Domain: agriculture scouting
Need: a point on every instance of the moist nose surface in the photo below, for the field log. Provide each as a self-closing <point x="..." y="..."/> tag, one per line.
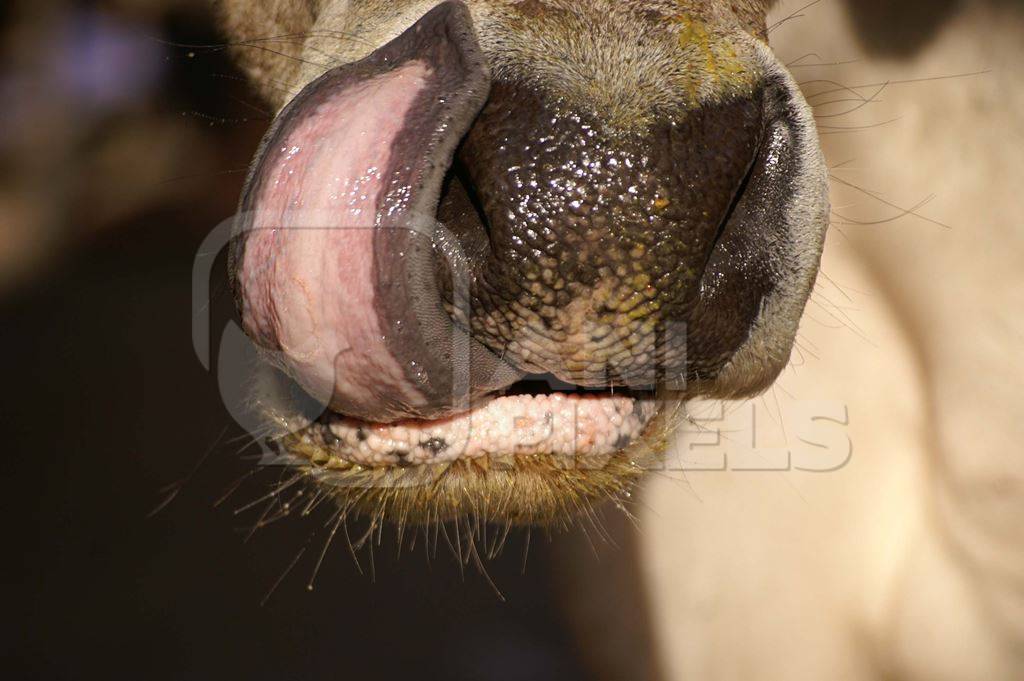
<point x="596" y="239"/>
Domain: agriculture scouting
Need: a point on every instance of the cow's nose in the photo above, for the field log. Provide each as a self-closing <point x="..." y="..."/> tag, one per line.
<point x="587" y="242"/>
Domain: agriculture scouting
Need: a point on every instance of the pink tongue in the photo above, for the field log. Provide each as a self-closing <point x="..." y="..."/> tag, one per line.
<point x="317" y="214"/>
<point x="333" y="257"/>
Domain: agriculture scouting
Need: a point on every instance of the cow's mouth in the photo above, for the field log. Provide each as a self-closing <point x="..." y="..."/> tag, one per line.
<point x="540" y="451"/>
<point x="417" y="238"/>
<point x="529" y="418"/>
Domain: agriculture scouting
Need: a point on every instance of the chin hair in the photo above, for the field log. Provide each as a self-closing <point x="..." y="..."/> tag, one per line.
<point x="511" y="490"/>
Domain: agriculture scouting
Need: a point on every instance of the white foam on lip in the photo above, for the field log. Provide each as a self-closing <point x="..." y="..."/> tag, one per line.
<point x="557" y="424"/>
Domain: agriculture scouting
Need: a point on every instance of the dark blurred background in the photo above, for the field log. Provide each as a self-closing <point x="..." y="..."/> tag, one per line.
<point x="125" y="132"/>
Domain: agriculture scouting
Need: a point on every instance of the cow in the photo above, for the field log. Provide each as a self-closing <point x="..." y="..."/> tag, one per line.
<point x="507" y="246"/>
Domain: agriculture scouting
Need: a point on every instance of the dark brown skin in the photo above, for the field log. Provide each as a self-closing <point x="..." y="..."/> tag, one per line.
<point x="584" y="276"/>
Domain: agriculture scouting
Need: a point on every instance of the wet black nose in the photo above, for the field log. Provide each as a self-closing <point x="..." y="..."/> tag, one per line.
<point x="588" y="242"/>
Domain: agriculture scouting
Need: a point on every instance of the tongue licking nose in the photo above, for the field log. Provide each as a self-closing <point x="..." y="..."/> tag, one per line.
<point x="333" y="258"/>
<point x="628" y="252"/>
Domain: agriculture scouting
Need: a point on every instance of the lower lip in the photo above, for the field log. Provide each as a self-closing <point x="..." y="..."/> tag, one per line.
<point x="556" y="424"/>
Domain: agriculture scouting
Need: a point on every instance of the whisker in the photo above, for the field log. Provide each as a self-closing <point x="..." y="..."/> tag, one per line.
<point x="869" y="223"/>
<point x="174" y="489"/>
<point x="795" y="15"/>
<point x="280" y="579"/>
<point x="907" y="81"/>
<point x="861" y="103"/>
<point x="839" y="129"/>
<point x="885" y="202"/>
<point x="340" y="517"/>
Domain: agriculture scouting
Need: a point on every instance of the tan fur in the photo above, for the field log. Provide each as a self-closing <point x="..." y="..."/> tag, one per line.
<point x="626" y="61"/>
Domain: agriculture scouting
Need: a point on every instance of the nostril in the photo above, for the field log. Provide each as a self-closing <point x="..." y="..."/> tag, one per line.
<point x="461" y="210"/>
<point x="461" y="214"/>
<point x="461" y="172"/>
<point x="738" y="195"/>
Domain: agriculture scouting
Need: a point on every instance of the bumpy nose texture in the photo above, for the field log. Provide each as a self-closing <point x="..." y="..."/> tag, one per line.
<point x="597" y="237"/>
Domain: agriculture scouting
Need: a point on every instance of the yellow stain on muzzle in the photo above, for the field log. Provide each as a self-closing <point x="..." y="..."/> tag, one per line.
<point x="720" y="67"/>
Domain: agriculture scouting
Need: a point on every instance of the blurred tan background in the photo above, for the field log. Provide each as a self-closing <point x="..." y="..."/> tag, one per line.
<point x="908" y="561"/>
